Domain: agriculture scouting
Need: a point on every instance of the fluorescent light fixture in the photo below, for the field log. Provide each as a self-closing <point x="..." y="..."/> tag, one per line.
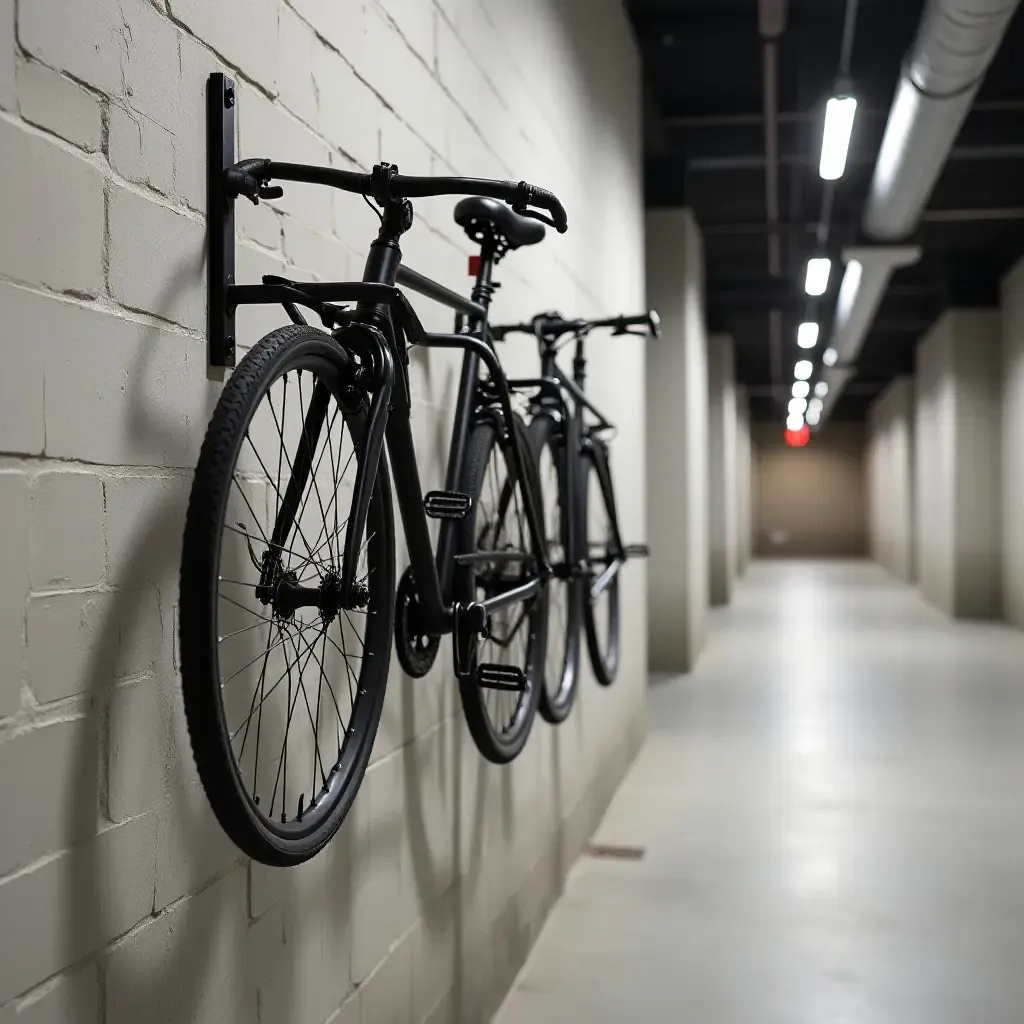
<point x="813" y="417"/>
<point x="818" y="270"/>
<point x="829" y="357"/>
<point x="801" y="389"/>
<point x="820" y="389"/>
<point x="803" y="369"/>
<point x="835" y="140"/>
<point x="794" y="421"/>
<point x="797" y="406"/>
<point x="807" y="335"/>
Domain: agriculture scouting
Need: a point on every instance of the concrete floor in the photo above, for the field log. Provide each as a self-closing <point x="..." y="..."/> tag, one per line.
<point x="832" y="808"/>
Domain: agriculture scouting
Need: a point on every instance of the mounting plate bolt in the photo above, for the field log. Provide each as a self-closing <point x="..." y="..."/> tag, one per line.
<point x="229" y="96"/>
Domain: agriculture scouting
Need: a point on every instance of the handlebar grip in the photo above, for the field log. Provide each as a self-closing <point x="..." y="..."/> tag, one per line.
<point x="528" y="195"/>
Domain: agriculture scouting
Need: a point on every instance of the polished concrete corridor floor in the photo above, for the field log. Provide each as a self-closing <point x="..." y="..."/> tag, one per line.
<point x="832" y="808"/>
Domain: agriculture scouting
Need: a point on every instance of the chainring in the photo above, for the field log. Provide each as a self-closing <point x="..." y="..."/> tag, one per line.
<point x="416" y="650"/>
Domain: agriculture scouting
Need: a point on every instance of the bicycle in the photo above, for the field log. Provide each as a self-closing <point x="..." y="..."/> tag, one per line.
<point x="584" y="545"/>
<point x="288" y="560"/>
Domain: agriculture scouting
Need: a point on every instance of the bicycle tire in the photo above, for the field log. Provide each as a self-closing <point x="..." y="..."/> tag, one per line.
<point x="500" y="746"/>
<point x="565" y="594"/>
<point x="251" y="827"/>
<point x="601" y="617"/>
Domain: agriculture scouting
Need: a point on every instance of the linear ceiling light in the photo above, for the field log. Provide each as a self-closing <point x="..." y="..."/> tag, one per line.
<point x="818" y="270"/>
<point x="801" y="389"/>
<point x="803" y="369"/>
<point x="835" y="140"/>
<point x="798" y="406"/>
<point x="807" y="335"/>
<point x="794" y="421"/>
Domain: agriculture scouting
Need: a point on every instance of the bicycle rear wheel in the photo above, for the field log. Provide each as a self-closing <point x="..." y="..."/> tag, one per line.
<point x="565" y="594"/>
<point x="499" y="718"/>
<point x="601" y="614"/>
<point x="283" y="677"/>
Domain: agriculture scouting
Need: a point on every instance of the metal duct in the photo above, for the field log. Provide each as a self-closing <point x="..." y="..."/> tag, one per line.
<point x="867" y="274"/>
<point x="954" y="47"/>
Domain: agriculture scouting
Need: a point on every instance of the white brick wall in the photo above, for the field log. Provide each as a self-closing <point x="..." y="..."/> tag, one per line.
<point x="120" y="898"/>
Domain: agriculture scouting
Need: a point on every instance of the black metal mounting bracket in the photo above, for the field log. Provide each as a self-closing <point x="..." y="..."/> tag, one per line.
<point x="220" y="218"/>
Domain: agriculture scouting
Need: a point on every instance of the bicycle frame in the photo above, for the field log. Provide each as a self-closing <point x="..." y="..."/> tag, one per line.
<point x="580" y="439"/>
<point x="382" y="327"/>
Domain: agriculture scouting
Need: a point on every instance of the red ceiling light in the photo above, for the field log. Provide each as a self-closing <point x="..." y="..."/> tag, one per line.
<point x="798" y="438"/>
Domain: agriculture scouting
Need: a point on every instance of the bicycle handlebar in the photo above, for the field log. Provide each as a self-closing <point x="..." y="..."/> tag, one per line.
<point x="553" y="326"/>
<point x="384" y="183"/>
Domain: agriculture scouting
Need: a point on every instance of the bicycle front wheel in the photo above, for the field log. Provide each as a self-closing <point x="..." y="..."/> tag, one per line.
<point x="499" y="715"/>
<point x="283" y="675"/>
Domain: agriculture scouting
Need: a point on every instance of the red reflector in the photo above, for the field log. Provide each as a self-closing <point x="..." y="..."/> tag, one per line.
<point x="798" y="438"/>
<point x="474" y="266"/>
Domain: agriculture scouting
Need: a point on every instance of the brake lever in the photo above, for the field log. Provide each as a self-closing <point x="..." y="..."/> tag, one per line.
<point x="525" y="211"/>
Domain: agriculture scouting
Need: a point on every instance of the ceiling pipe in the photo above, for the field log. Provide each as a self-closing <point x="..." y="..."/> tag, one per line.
<point x="868" y="270"/>
<point x="955" y="44"/>
<point x="953" y="50"/>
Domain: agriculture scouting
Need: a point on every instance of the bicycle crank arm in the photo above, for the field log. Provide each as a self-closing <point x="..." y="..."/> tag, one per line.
<point x="605" y="579"/>
<point x="513" y="596"/>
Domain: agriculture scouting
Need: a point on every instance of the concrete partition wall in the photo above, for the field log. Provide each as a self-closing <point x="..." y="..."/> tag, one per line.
<point x="121" y="899"/>
<point x="722" y="496"/>
<point x="957" y="460"/>
<point x="1013" y="444"/>
<point x="743" y="466"/>
<point x="891" y="478"/>
<point x="677" y="441"/>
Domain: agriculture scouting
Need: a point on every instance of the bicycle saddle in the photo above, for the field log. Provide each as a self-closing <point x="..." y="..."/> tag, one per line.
<point x="487" y="218"/>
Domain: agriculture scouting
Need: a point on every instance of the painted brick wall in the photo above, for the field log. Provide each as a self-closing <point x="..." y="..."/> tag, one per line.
<point x="120" y="900"/>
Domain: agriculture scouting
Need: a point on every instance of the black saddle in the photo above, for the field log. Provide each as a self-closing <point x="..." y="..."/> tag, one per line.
<point x="489" y="220"/>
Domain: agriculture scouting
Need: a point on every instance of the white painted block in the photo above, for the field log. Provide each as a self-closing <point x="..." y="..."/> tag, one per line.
<point x="49" y="194"/>
<point x="186" y="963"/>
<point x="192" y="848"/>
<point x="58" y="104"/>
<point x="297" y="88"/>
<point x="157" y="259"/>
<point x="14" y="584"/>
<point x="145" y="519"/>
<point x="135" y="750"/>
<point x="350" y="112"/>
<point x="220" y="26"/>
<point x="67" y="531"/>
<point x="8" y="88"/>
<point x="75" y="903"/>
<point x="61" y="760"/>
<point x="141" y="150"/>
<point x="386" y="996"/>
<point x="72" y="998"/>
<point x="376" y="867"/>
<point x="81" y="641"/>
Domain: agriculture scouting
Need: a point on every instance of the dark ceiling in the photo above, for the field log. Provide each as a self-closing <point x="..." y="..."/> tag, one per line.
<point x="705" y="149"/>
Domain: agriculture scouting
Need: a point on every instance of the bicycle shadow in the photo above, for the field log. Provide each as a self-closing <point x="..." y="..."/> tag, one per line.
<point x="158" y="950"/>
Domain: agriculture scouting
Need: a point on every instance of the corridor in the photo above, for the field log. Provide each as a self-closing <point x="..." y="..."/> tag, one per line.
<point x="832" y="817"/>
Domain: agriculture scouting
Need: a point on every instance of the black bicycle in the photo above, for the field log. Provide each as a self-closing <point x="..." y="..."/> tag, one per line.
<point x="287" y="591"/>
<point x="583" y="543"/>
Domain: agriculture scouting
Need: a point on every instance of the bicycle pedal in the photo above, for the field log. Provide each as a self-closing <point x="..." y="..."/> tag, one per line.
<point x="447" y="505"/>
<point x="501" y="677"/>
<point x="637" y="551"/>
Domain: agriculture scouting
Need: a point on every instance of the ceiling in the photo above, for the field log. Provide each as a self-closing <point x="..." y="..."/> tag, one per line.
<point x="705" y="148"/>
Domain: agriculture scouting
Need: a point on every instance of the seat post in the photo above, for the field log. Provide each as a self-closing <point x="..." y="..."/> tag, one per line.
<point x="484" y="289"/>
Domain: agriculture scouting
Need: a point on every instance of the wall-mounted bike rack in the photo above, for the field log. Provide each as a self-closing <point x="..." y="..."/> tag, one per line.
<point x="220" y="217"/>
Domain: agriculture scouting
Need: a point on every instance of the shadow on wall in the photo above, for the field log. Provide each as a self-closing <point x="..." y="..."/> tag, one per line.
<point x="810" y="501"/>
<point x="180" y="903"/>
<point x="160" y="970"/>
